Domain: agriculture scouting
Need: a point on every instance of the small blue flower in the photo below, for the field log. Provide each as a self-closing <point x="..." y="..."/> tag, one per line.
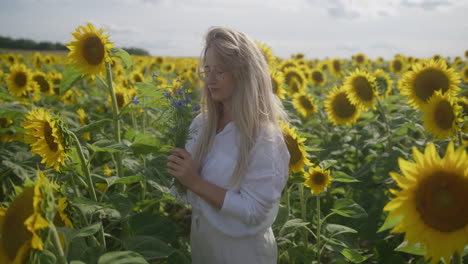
<point x="168" y="95"/>
<point x="179" y="91"/>
<point x="188" y="100"/>
<point x="196" y="108"/>
<point x="135" y="100"/>
<point x="178" y="104"/>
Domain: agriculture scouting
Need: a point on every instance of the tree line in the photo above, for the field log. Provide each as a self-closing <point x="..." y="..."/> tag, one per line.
<point x="28" y="44"/>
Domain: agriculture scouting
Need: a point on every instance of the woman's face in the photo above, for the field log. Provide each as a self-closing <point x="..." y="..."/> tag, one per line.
<point x="220" y="84"/>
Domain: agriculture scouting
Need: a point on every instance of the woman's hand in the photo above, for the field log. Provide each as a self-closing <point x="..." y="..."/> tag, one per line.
<point x="181" y="165"/>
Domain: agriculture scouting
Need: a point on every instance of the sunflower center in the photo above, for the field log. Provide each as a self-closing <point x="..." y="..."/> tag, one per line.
<point x="120" y="99"/>
<point x="49" y="138"/>
<point x="441" y="201"/>
<point x="429" y="81"/>
<point x="397" y="65"/>
<point x="318" y="178"/>
<point x="137" y="78"/>
<point x="43" y="84"/>
<point x="360" y="59"/>
<point x="293" y="149"/>
<point x="363" y="88"/>
<point x="317" y="76"/>
<point x="342" y="107"/>
<point x="305" y="102"/>
<point x="337" y="65"/>
<point x="443" y="115"/>
<point x="21" y="79"/>
<point x="3" y="122"/>
<point x="465" y="72"/>
<point x="93" y="50"/>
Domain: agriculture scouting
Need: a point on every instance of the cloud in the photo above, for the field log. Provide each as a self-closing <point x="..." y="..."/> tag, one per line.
<point x="115" y="29"/>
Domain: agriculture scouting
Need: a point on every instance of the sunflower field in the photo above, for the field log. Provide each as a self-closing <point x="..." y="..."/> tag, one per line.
<point x="378" y="169"/>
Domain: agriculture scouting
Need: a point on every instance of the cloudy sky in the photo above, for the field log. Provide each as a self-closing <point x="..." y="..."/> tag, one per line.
<point x="317" y="28"/>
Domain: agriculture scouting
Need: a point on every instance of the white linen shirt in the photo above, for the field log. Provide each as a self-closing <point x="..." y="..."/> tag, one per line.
<point x="253" y="206"/>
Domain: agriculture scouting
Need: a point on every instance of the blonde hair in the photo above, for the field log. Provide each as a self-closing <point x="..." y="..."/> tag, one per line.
<point x="254" y="105"/>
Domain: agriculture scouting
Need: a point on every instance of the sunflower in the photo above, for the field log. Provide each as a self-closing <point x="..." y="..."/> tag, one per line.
<point x="295" y="79"/>
<point x="441" y="115"/>
<point x="277" y="81"/>
<point x="383" y="83"/>
<point x="359" y="59"/>
<point x="90" y="50"/>
<point x="304" y="104"/>
<point x="432" y="201"/>
<point x="168" y="67"/>
<point x="45" y="135"/>
<point x="8" y="136"/>
<point x="339" y="109"/>
<point x="464" y="73"/>
<point x="19" y="81"/>
<point x="43" y="82"/>
<point x="397" y="65"/>
<point x="287" y="64"/>
<point x="296" y="148"/>
<point x="83" y="121"/>
<point x="425" y="78"/>
<point x="317" y="180"/>
<point x="122" y="96"/>
<point x="336" y="67"/>
<point x="136" y="76"/>
<point x="267" y="53"/>
<point x="317" y="77"/>
<point x="360" y="89"/>
<point x="106" y="170"/>
<point x="22" y="222"/>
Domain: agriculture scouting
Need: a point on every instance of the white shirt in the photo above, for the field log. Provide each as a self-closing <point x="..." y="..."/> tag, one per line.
<point x="254" y="205"/>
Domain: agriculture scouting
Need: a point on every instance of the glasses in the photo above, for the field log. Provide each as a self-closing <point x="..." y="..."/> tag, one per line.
<point x="204" y="75"/>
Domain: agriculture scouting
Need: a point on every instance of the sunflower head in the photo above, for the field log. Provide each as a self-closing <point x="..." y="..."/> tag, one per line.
<point x="317" y="180"/>
<point x="432" y="201"/>
<point x="464" y="74"/>
<point x="339" y="108"/>
<point x="20" y="81"/>
<point x="398" y="65"/>
<point x="46" y="134"/>
<point x="359" y="59"/>
<point x="296" y="148"/>
<point x="360" y="89"/>
<point x="317" y="77"/>
<point x="304" y="104"/>
<point x="90" y="50"/>
<point x="43" y="82"/>
<point x="277" y="81"/>
<point x="336" y="67"/>
<point x="295" y="79"/>
<point x="425" y="78"/>
<point x="441" y="115"/>
<point x="383" y="83"/>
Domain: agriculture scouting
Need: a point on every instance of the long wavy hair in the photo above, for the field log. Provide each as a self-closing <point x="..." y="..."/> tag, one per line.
<point x="254" y="105"/>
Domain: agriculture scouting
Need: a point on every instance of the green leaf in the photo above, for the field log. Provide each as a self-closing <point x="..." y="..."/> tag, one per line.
<point x="130" y="179"/>
<point x="123" y="55"/>
<point x="109" y="146"/>
<point x="148" y="90"/>
<point x="353" y="255"/>
<point x="146" y="224"/>
<point x="413" y="249"/>
<point x="122" y="257"/>
<point x="47" y="257"/>
<point x="149" y="247"/>
<point x="69" y="77"/>
<point x="93" y="126"/>
<point x="145" y="144"/>
<point x="335" y="229"/>
<point x="291" y="226"/>
<point x="325" y="164"/>
<point x="340" y="176"/>
<point x="390" y="223"/>
<point x="70" y="234"/>
<point x="76" y="262"/>
<point x="348" y="208"/>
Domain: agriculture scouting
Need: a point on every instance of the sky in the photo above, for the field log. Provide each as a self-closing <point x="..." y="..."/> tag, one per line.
<point x="317" y="28"/>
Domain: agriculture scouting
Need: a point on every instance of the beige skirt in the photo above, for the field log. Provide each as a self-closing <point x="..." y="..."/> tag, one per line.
<point x="209" y="246"/>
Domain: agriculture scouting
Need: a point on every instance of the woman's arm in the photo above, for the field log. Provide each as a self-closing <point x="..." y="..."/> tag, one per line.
<point x="181" y="165"/>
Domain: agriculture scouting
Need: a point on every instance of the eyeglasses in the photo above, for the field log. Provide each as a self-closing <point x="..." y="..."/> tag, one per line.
<point x="204" y="75"/>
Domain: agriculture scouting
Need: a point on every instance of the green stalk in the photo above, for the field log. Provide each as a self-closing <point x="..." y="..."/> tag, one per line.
<point x="89" y="181"/>
<point x="115" y="116"/>
<point x="387" y="126"/>
<point x="303" y="211"/>
<point x="457" y="258"/>
<point x="319" y="223"/>
<point x="57" y="244"/>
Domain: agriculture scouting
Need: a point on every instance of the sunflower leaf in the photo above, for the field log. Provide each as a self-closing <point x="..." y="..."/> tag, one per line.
<point x="123" y="55"/>
<point x="348" y="208"/>
<point x="121" y="257"/>
<point x="93" y="126"/>
<point x="340" y="176"/>
<point x="413" y="249"/>
<point x="70" y="76"/>
<point x="353" y="255"/>
<point x="389" y="223"/>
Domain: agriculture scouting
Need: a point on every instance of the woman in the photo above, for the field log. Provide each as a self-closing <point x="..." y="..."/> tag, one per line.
<point x="236" y="163"/>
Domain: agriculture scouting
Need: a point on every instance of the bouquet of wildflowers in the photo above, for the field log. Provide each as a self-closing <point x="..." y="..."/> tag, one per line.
<point x="182" y="112"/>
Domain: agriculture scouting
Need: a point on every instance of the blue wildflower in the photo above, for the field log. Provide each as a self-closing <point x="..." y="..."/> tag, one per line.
<point x="135" y="100"/>
<point x="188" y="100"/>
<point x="168" y="95"/>
<point x="196" y="108"/>
<point x="178" y="104"/>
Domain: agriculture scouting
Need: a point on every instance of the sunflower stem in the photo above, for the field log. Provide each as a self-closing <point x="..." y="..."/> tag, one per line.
<point x="57" y="244"/>
<point x="115" y="115"/>
<point x="89" y="181"/>
<point x="319" y="223"/>
<point x="303" y="211"/>
<point x="387" y="126"/>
